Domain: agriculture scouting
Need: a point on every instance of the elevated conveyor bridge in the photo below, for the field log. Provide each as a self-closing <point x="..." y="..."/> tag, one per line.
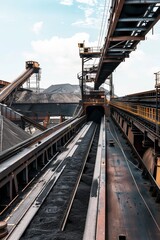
<point x="129" y="22"/>
<point x="7" y="95"/>
<point x="7" y="92"/>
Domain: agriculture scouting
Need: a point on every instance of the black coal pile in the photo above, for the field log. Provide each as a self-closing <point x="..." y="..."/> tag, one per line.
<point x="63" y="88"/>
<point x="55" y="93"/>
<point x="10" y="134"/>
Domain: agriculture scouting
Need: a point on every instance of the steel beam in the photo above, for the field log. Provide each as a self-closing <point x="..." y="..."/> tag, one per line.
<point x="130" y="29"/>
<point x="116" y="55"/>
<point x="127" y="38"/>
<point x="120" y="49"/>
<point x="112" y="60"/>
<point x="142" y="1"/>
<point x="147" y="19"/>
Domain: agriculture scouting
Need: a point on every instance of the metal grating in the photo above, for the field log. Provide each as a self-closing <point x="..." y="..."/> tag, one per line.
<point x="129" y="22"/>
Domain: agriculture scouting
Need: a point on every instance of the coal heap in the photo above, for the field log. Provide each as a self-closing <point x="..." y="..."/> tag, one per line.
<point x="10" y="134"/>
<point x="55" y="93"/>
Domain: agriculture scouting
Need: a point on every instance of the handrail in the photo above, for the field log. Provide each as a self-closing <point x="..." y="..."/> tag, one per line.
<point x="11" y="151"/>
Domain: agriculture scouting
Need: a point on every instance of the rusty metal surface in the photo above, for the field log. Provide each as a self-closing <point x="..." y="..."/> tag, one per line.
<point x="101" y="222"/>
<point x="10" y="88"/>
<point x="129" y="22"/>
<point x="131" y="210"/>
<point x="4" y="83"/>
<point x="101" y="218"/>
<point x="95" y="221"/>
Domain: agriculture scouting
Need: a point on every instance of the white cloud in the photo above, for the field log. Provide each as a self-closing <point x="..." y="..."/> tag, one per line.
<point x="66" y="2"/>
<point x="58" y="58"/>
<point x="70" y="2"/>
<point x="90" y="18"/>
<point x="91" y="10"/>
<point x="92" y="22"/>
<point x="154" y="36"/>
<point x="88" y="2"/>
<point x="37" y="27"/>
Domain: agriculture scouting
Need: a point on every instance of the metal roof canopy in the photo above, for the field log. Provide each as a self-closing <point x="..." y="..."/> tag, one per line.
<point x="129" y="22"/>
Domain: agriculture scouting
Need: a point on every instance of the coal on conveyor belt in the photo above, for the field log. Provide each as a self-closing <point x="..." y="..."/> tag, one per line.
<point x="47" y="223"/>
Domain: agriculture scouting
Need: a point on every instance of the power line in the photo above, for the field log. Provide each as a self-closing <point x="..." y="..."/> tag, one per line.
<point x="104" y="22"/>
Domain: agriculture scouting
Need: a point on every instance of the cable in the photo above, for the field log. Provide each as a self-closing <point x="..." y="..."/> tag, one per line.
<point x="103" y="25"/>
<point x="104" y="21"/>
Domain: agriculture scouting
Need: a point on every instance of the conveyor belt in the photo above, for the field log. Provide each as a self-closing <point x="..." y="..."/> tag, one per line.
<point x="11" y="87"/>
<point x="32" y="67"/>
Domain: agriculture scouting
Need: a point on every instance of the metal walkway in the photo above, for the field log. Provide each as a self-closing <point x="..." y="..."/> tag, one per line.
<point x="129" y="22"/>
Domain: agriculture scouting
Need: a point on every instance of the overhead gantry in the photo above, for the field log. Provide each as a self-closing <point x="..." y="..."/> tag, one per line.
<point x="129" y="22"/>
<point x="7" y="95"/>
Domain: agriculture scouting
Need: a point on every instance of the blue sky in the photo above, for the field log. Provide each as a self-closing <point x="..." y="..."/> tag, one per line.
<point x="48" y="31"/>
